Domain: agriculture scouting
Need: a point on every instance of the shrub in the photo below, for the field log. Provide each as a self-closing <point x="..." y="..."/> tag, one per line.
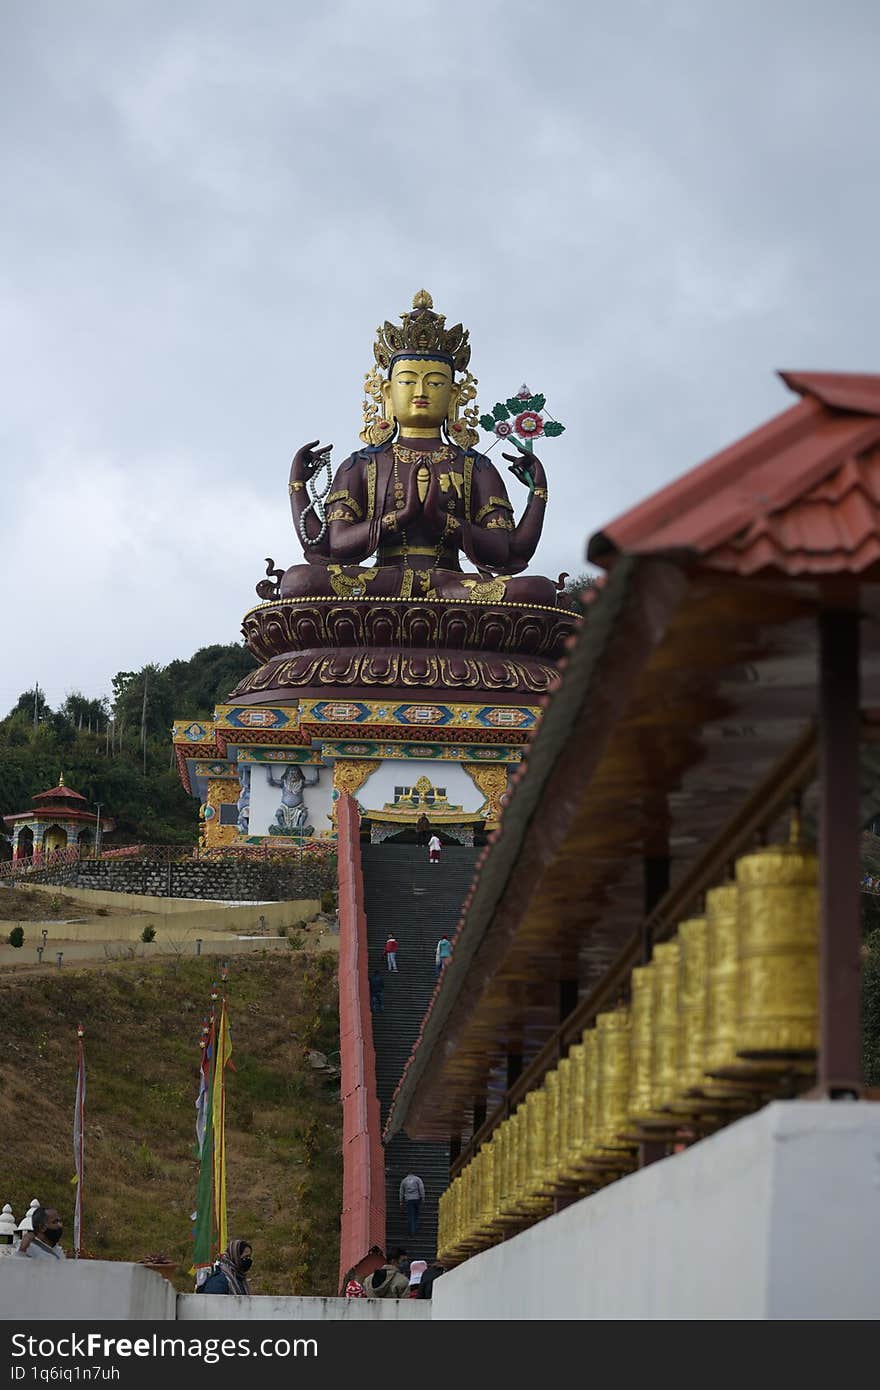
<point x="328" y="901"/>
<point x="295" y="942"/>
<point x="148" y="934"/>
<point x="16" y="936"/>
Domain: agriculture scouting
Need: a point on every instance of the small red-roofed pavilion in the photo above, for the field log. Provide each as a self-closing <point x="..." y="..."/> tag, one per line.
<point x="59" y="820"/>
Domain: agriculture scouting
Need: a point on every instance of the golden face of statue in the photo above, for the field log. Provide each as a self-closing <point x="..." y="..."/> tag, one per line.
<point x="418" y="395"/>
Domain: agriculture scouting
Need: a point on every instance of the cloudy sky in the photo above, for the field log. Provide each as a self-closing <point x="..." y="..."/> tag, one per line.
<point x="641" y="209"/>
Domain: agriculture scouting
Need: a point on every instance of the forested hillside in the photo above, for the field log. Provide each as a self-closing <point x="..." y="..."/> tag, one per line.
<point x="118" y="751"/>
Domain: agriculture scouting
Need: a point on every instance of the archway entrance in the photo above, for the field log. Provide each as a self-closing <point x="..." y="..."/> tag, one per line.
<point x="54" y="839"/>
<point x="25" y="848"/>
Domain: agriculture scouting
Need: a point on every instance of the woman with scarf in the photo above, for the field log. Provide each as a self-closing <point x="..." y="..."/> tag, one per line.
<point x="229" y="1274"/>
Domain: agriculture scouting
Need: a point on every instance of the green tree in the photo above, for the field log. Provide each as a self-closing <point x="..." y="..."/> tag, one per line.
<point x="131" y="773"/>
<point x="33" y="704"/>
<point x="577" y="588"/>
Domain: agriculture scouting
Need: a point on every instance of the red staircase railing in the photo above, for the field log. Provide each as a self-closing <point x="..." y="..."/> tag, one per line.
<point x="363" y="1158"/>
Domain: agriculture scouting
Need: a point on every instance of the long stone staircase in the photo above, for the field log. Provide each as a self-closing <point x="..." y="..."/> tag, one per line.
<point x="416" y="902"/>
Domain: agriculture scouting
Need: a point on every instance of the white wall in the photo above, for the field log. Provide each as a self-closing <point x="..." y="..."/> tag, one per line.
<point x="102" y="1291"/>
<point x="776" y="1216"/>
<point x="194" y="1307"/>
<point x="379" y="787"/>
<point x="82" y="1291"/>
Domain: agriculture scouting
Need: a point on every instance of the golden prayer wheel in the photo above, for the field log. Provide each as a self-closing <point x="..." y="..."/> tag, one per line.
<point x="484" y="1206"/>
<point x="722" y="993"/>
<point x="442" y="1217"/>
<point x="498" y="1205"/>
<point x="641" y="1014"/>
<point x="451" y="1223"/>
<point x="536" y="1129"/>
<point x="520" y="1163"/>
<point x="563" y="1122"/>
<point x="492" y="1180"/>
<point x="778" y="951"/>
<point x="495" y="1171"/>
<point x="612" y="1033"/>
<point x="665" y="1026"/>
<point x="722" y="1001"/>
<point x="476" y="1200"/>
<point x="448" y="1242"/>
<point x="511" y="1170"/>
<point x="473" y="1191"/>
<point x="574" y="1145"/>
<point x="502" y="1199"/>
<point x="550" y="1167"/>
<point x="594" y="1162"/>
<point x="465" y="1213"/>
<point x="692" y="972"/>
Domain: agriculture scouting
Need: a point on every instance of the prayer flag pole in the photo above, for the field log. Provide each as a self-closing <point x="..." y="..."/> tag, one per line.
<point x="210" y="1230"/>
<point x="204" y="1251"/>
<point x="218" y="1116"/>
<point x="79" y="1140"/>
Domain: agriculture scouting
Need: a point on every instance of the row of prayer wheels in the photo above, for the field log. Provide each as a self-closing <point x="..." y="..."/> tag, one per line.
<point x="722" y="1012"/>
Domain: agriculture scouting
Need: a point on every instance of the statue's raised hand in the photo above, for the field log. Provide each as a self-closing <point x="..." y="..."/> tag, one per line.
<point x="308" y="459"/>
<point x="527" y="468"/>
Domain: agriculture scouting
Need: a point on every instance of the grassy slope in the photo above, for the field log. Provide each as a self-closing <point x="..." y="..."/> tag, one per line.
<point x="142" y="1022"/>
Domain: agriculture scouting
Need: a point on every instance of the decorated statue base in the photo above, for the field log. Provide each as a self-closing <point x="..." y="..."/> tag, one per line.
<point x="361" y="645"/>
<point x="400" y="759"/>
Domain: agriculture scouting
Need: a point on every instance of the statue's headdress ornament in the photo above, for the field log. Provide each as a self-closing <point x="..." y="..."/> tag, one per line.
<point x="422" y="333"/>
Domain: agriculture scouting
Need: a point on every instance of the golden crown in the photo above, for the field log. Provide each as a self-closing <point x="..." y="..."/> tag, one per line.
<point x="422" y="333"/>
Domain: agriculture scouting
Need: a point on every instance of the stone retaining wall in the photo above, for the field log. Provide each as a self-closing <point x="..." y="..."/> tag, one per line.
<point x="227" y="880"/>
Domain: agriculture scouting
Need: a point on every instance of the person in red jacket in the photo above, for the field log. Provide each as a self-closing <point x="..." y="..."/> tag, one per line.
<point x="391" y="954"/>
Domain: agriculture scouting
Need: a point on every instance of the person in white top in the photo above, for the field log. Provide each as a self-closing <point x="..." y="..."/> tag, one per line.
<point x="434" y="850"/>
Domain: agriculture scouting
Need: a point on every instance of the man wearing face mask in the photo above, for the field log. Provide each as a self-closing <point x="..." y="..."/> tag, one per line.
<point x="47" y="1230"/>
<point x="229" y="1274"/>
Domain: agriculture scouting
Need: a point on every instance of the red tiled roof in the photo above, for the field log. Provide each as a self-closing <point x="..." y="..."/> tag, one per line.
<point x="59" y="793"/>
<point x="800" y="495"/>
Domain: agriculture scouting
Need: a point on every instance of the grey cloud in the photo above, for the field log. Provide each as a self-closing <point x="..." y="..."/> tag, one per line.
<point x="642" y="209"/>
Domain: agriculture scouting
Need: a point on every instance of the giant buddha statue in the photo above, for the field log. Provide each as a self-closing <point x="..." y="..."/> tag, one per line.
<point x="383" y="602"/>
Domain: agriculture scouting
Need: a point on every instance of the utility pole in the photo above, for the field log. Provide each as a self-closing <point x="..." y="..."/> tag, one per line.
<point x="144" y="717"/>
<point x="98" y="832"/>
